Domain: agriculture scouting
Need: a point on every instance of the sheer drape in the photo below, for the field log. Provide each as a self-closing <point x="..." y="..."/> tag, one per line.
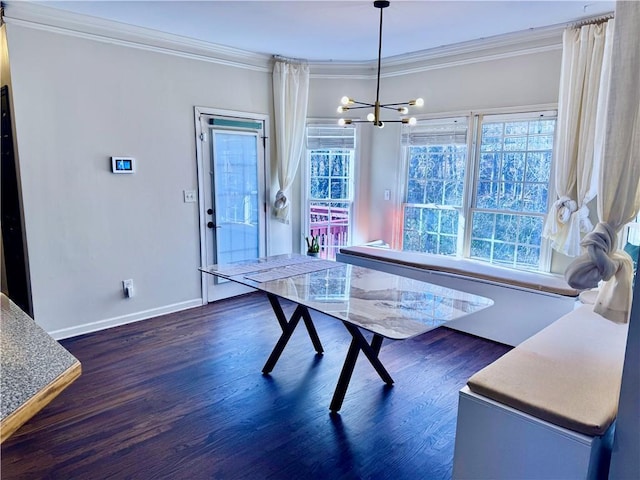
<point x="580" y="129"/>
<point x="619" y="179"/>
<point x="290" y="95"/>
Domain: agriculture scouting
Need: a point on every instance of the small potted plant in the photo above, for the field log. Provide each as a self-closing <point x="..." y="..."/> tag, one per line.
<point x="313" y="247"/>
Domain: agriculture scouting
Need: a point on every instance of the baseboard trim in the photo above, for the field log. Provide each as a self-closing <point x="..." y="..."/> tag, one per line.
<point x="123" y="320"/>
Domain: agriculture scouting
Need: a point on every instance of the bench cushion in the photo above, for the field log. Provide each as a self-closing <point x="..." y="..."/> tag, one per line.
<point x="543" y="282"/>
<point x="568" y="374"/>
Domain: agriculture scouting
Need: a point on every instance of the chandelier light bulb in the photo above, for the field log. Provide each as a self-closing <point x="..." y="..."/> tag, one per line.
<point x="342" y="109"/>
<point x="403" y="110"/>
<point x="341" y="122"/>
<point x="371" y="117"/>
<point x="380" y="124"/>
<point x="418" y="102"/>
<point x="412" y="121"/>
<point x="346" y="100"/>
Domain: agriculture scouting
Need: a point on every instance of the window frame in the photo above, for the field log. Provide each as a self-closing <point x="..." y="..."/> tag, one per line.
<point x="472" y="173"/>
<point x="306" y="182"/>
<point x="404" y="189"/>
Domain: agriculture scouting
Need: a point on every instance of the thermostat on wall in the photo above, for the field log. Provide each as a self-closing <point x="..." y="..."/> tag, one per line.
<point x="123" y="164"/>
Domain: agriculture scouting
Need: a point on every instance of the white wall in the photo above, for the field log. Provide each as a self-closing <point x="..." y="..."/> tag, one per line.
<point x="76" y="103"/>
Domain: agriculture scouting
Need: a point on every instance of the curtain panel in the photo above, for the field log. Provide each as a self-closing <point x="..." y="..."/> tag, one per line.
<point x="290" y="98"/>
<point x="580" y="129"/>
<point x="619" y="179"/>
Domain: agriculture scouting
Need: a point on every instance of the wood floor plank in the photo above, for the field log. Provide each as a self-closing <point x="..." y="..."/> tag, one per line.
<point x="182" y="396"/>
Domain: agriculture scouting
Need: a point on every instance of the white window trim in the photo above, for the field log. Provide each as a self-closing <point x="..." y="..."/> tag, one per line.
<point x="474" y="125"/>
<point x="305" y="184"/>
<point x="398" y="232"/>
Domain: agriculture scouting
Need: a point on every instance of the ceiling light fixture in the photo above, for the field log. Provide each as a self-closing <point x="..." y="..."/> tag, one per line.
<point x="349" y="104"/>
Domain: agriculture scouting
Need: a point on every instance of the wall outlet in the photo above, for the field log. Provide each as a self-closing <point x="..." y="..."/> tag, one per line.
<point x="127" y="287"/>
<point x="189" y="196"/>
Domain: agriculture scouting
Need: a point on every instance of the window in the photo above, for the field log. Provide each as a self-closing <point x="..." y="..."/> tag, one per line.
<point x="436" y="171"/>
<point x="488" y="202"/>
<point x="330" y="166"/>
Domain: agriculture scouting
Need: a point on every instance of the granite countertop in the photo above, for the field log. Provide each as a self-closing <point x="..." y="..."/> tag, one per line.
<point x="30" y="361"/>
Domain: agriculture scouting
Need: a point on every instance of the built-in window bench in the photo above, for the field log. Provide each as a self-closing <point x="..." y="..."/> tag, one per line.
<point x="546" y="409"/>
<point x="524" y="302"/>
<point x="35" y="368"/>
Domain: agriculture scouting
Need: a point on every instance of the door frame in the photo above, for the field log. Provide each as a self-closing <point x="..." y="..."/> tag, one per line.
<point x="200" y="168"/>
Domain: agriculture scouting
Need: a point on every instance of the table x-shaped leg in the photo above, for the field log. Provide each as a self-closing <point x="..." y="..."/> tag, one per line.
<point x="288" y="328"/>
<point x="359" y="343"/>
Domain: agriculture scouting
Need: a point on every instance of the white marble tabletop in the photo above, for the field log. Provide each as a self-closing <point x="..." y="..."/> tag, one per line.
<point x="392" y="306"/>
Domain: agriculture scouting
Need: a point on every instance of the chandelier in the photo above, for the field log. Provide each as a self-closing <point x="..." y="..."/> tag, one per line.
<point x="349" y="104"/>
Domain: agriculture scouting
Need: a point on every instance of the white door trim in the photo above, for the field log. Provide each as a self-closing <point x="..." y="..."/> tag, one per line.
<point x="198" y="112"/>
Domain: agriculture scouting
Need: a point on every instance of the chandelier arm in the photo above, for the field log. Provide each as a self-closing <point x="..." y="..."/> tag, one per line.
<point x="383" y="121"/>
<point x="363" y="105"/>
<point x="388" y="105"/>
<point x="392" y="108"/>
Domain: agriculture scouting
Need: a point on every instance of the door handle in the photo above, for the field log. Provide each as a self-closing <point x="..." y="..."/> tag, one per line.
<point x="211" y="225"/>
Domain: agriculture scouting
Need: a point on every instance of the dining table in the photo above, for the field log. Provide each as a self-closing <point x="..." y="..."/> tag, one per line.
<point x="373" y="306"/>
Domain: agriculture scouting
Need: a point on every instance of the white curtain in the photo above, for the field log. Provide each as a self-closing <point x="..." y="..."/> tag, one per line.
<point x="290" y="95"/>
<point x="619" y="179"/>
<point x="580" y="129"/>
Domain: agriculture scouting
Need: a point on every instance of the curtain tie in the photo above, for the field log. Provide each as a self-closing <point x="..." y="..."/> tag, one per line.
<point x="566" y="211"/>
<point x="281" y="207"/>
<point x="597" y="263"/>
<point x="564" y="208"/>
<point x="281" y="200"/>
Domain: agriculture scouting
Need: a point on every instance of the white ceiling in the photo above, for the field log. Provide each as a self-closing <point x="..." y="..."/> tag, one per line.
<point x="337" y="30"/>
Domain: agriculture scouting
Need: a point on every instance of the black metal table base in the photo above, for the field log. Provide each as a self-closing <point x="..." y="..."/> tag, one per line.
<point x="358" y="343"/>
<point x="288" y="328"/>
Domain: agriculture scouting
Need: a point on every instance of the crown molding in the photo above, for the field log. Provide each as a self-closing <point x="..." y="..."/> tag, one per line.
<point x="44" y="18"/>
<point x="509" y="45"/>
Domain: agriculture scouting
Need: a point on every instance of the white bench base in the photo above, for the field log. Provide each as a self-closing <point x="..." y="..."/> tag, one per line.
<point x="498" y="442"/>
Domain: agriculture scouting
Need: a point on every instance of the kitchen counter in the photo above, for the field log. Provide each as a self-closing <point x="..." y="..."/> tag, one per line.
<point x="34" y="368"/>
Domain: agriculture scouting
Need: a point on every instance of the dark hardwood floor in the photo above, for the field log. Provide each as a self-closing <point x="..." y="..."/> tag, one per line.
<point x="182" y="396"/>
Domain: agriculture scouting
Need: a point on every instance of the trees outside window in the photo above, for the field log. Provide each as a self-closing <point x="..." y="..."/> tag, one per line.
<point x="485" y="198"/>
<point x="437" y="163"/>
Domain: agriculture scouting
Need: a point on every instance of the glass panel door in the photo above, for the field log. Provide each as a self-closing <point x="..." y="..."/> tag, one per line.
<point x="235" y="196"/>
